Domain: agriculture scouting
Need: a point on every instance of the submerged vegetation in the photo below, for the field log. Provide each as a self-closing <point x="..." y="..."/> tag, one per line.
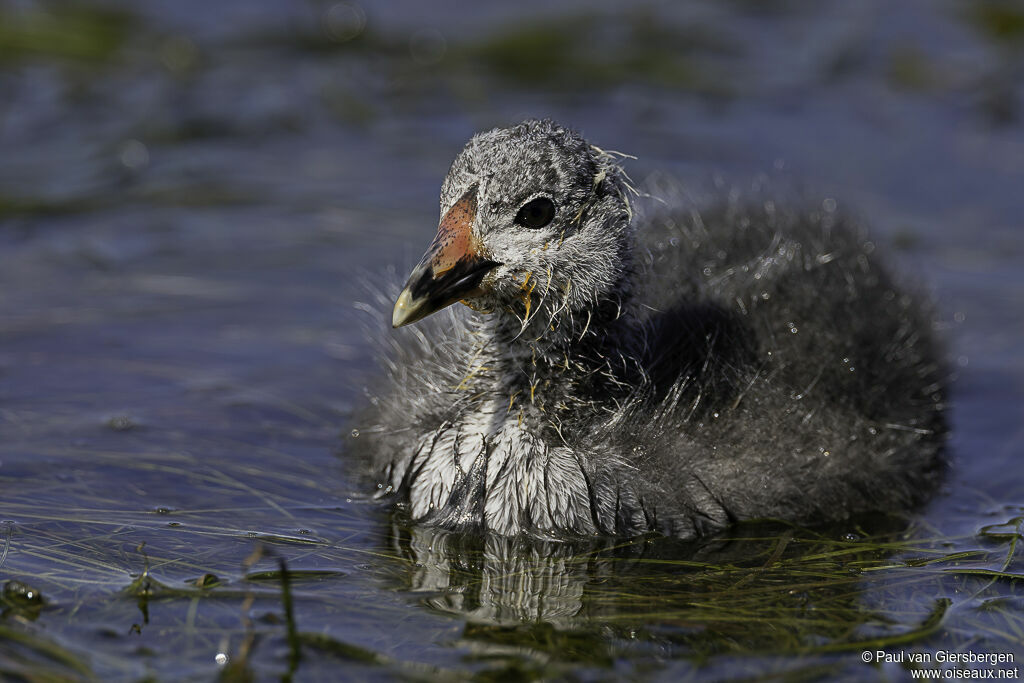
<point x="196" y="595"/>
<point x="184" y="208"/>
<point x="72" y="33"/>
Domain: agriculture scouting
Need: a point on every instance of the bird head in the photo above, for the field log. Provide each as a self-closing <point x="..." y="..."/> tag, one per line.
<point x="532" y="218"/>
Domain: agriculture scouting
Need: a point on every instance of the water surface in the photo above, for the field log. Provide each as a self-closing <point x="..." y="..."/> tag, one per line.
<point x="197" y="200"/>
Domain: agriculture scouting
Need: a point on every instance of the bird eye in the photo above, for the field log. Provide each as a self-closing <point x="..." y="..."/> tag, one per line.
<point x="536" y="213"/>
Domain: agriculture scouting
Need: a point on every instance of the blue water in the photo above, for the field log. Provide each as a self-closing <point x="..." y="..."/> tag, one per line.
<point x="191" y="221"/>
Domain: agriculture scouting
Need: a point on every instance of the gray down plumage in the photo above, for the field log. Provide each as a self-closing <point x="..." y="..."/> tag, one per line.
<point x="742" y="361"/>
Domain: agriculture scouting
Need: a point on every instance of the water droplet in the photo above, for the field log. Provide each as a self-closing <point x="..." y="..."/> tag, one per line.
<point x="221" y="659"/>
<point x="355" y="433"/>
<point x="829" y="205"/>
<point x="133" y="155"/>
<point x="344" y="21"/>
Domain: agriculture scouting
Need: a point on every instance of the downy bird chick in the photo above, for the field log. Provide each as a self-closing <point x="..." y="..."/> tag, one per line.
<point x="676" y="376"/>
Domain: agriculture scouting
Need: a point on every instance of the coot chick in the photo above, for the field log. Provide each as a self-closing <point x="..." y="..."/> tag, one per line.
<point x="705" y="367"/>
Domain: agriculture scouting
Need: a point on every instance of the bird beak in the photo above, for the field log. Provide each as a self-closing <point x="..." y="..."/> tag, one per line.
<point x="452" y="268"/>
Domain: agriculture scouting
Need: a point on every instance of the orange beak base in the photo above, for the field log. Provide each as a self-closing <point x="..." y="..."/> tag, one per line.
<point x="452" y="268"/>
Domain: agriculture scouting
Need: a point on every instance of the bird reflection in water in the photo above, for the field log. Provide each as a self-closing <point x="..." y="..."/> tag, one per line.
<point x="758" y="586"/>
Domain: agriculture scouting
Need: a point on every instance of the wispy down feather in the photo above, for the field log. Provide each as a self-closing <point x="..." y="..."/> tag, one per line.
<point x="674" y="373"/>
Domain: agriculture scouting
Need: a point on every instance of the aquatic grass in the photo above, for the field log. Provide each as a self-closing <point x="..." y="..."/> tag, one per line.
<point x="782" y="590"/>
<point x="576" y="51"/>
<point x="732" y="606"/>
<point x="590" y="52"/>
<point x="31" y="656"/>
<point x="75" y="33"/>
<point x="202" y="488"/>
<point x="998" y="20"/>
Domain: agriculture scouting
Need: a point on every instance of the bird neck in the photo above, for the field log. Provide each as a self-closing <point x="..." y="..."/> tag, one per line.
<point x="558" y="358"/>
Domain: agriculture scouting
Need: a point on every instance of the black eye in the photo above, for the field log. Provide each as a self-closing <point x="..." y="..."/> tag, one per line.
<point x="536" y="213"/>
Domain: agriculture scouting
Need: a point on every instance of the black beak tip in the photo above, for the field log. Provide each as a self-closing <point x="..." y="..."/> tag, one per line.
<point x="425" y="293"/>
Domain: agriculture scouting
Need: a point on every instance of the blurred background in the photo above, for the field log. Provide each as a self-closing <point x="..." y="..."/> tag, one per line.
<point x="197" y="198"/>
